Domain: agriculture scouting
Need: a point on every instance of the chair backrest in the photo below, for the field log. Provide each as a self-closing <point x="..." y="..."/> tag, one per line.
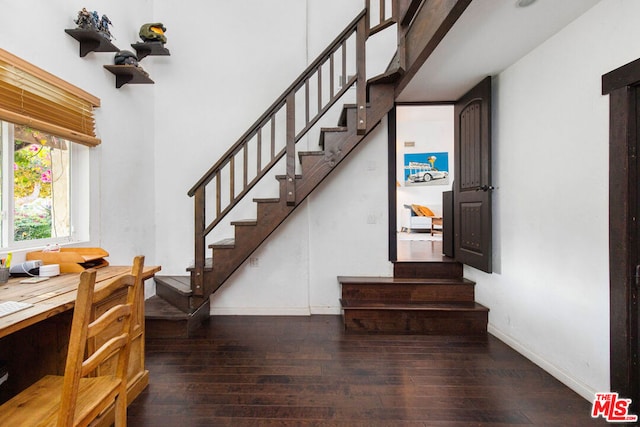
<point x="86" y="352"/>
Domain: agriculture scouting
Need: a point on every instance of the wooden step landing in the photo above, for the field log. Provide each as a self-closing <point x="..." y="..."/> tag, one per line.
<point x="427" y="298"/>
<point x="445" y="268"/>
<point x="415" y="318"/>
<point x="164" y="320"/>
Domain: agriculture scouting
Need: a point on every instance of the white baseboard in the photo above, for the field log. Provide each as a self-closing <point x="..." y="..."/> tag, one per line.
<point x="326" y="310"/>
<point x="579" y="387"/>
<point x="259" y="311"/>
<point x="274" y="311"/>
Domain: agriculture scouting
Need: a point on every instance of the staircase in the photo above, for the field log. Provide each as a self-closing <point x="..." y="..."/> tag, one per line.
<point x="335" y="143"/>
<point x="430" y="298"/>
<point x="182" y="302"/>
<point x="173" y="312"/>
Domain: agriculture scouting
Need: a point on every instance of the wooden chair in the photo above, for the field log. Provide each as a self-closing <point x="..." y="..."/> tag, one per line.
<point x="436" y="225"/>
<point x="85" y="391"/>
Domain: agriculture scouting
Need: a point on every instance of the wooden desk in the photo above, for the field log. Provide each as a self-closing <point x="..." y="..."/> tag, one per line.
<point x="33" y="341"/>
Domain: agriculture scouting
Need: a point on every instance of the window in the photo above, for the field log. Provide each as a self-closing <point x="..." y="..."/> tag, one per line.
<point x="43" y="166"/>
<point x="37" y="190"/>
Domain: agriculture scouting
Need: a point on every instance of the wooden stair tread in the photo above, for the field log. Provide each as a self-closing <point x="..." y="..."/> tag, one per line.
<point x="245" y="222"/>
<point x="302" y="154"/>
<point x="208" y="265"/>
<point x="324" y="131"/>
<point x="157" y="308"/>
<point x="267" y="200"/>
<point x="390" y="76"/>
<point x="181" y="284"/>
<point x="381" y="280"/>
<point x="224" y="244"/>
<point x="417" y="306"/>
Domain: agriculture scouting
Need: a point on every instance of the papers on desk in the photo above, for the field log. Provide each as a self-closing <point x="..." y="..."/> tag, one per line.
<point x="9" y="307"/>
<point x="35" y="279"/>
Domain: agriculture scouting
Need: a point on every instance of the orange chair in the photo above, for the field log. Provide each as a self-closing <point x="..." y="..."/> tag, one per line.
<point x="77" y="398"/>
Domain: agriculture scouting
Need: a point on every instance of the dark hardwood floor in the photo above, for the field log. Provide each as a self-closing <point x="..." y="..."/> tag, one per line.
<point x="291" y="371"/>
<point x="420" y="250"/>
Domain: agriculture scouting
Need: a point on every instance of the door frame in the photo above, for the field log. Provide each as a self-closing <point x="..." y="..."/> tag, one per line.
<point x="623" y="87"/>
<point x="391" y="184"/>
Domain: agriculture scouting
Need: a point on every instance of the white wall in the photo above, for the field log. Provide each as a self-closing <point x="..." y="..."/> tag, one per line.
<point x="549" y="293"/>
<point x="122" y="172"/>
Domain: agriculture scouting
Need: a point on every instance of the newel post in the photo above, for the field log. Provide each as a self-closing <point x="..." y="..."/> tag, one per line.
<point x="197" y="278"/>
<point x="290" y="184"/>
<point x="361" y="83"/>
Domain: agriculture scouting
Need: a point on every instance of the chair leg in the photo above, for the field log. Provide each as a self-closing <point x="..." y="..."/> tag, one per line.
<point x="120" y="411"/>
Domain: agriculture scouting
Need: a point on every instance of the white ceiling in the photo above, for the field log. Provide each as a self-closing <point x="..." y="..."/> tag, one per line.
<point x="490" y="36"/>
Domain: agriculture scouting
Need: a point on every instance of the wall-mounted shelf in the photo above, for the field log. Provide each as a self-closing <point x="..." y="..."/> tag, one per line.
<point x="129" y="74"/>
<point x="150" y="49"/>
<point x="91" y="41"/>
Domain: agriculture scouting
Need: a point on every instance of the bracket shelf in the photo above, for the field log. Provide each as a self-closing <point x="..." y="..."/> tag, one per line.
<point x="128" y="74"/>
<point x="91" y="41"/>
<point x="150" y="49"/>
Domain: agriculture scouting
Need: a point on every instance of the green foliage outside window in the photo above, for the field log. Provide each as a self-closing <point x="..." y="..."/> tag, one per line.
<point x="32" y="191"/>
<point x="32" y="171"/>
<point x="30" y="224"/>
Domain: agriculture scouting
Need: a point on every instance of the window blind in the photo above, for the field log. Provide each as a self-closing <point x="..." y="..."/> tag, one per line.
<point x="33" y="97"/>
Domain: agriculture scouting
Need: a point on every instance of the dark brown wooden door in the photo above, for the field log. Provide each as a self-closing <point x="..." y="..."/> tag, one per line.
<point x="634" y="287"/>
<point x="472" y="188"/>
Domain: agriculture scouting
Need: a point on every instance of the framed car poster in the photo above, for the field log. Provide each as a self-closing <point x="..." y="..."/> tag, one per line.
<point x="426" y="168"/>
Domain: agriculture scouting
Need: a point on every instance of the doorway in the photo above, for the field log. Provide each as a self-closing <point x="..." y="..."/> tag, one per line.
<point x="424" y="144"/>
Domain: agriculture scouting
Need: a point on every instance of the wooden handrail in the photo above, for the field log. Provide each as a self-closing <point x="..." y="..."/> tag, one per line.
<point x="408" y="9"/>
<point x="207" y="177"/>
